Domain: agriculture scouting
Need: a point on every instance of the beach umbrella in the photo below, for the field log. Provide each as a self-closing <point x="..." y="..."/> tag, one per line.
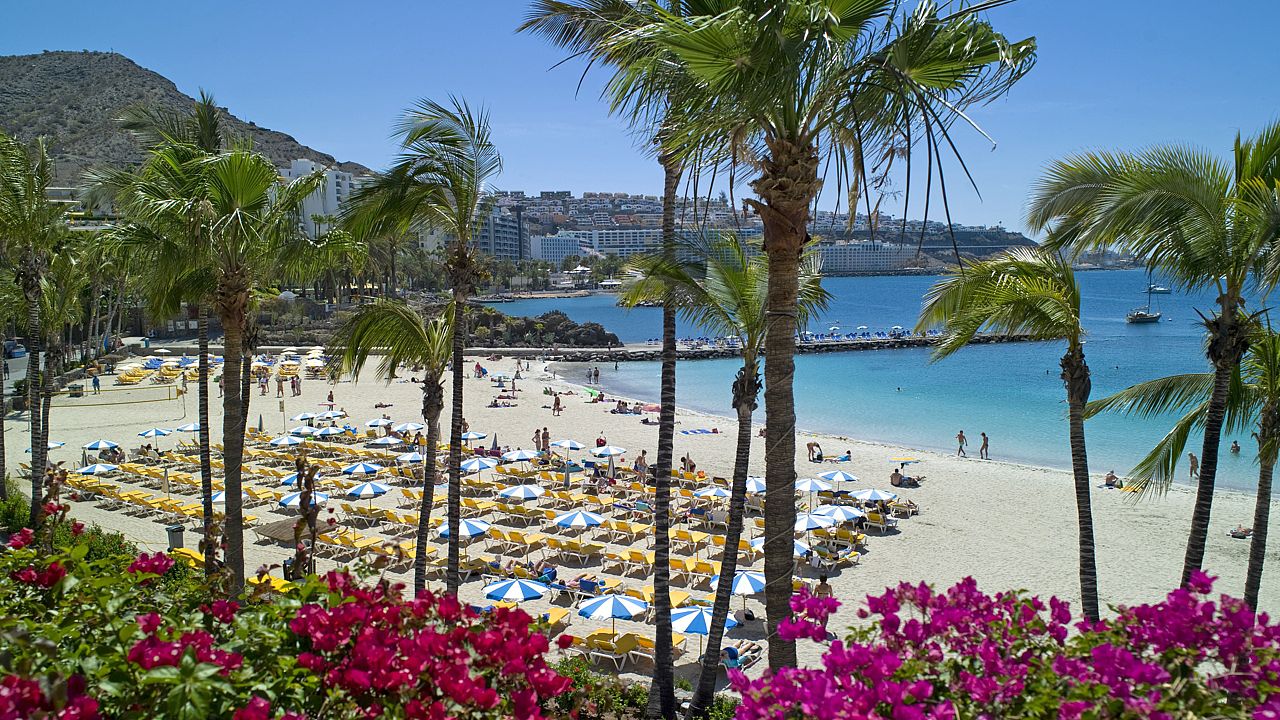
<point x="303" y="430"/>
<point x="290" y="479"/>
<point x="522" y="492"/>
<point x="330" y="432"/>
<point x="303" y="416"/>
<point x="385" y="442"/>
<point x="840" y="513"/>
<point x="362" y="468"/>
<point x="579" y="519"/>
<point x="695" y="621"/>
<point x="331" y="415"/>
<point x="411" y="457"/>
<point x="295" y="499"/>
<point x="519" y="455"/>
<point x="220" y="497"/>
<point x="568" y="444"/>
<point x="906" y="460"/>
<point x="314" y="363"/>
<point x="838" y="476"/>
<point x="476" y="464"/>
<point x="368" y="490"/>
<point x="470" y="435"/>
<point x="155" y="432"/>
<point x="871" y="494"/>
<point x="514" y="590"/>
<point x="53" y="445"/>
<point x="811" y="485"/>
<point x="189" y="427"/>
<point x="101" y="445"/>
<point x="745" y="582"/>
<point x="408" y="427"/>
<point x="812" y="521"/>
<point x="468" y="529"/>
<point x="378" y="422"/>
<point x="161" y="351"/>
<point x="608" y="451"/>
<point x="612" y="607"/>
<point x="97" y="469"/>
<point x="286" y="441"/>
<point x="289" y="349"/>
<point x="711" y="491"/>
<point x="798" y="548"/>
<point x="755" y="485"/>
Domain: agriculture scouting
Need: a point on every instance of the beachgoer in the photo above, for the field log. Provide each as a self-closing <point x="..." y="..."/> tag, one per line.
<point x="221" y="384"/>
<point x="846" y="457"/>
<point x="537" y="440"/>
<point x="1195" y="465"/>
<point x="330" y="396"/>
<point x="1241" y="532"/>
<point x="823" y="588"/>
<point x="555" y="405"/>
<point x="546" y="440"/>
<point x="97" y="384"/>
<point x="895" y="477"/>
<point x="600" y="441"/>
<point x="466" y="426"/>
<point x="983" y="452"/>
<point x="1111" y="478"/>
<point x="962" y="441"/>
<point x="1235" y="447"/>
<point x="729" y="657"/>
<point x="688" y="464"/>
<point x="279" y="386"/>
<point x="641" y="465"/>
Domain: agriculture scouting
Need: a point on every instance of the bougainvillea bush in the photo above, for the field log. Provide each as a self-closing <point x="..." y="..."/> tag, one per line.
<point x="965" y="654"/>
<point x="80" y="639"/>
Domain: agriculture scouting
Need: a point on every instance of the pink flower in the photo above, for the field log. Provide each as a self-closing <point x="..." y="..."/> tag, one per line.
<point x="77" y="527"/>
<point x="22" y="538"/>
<point x="257" y="709"/>
<point x="157" y="564"/>
<point x="149" y="622"/>
<point x="224" y="611"/>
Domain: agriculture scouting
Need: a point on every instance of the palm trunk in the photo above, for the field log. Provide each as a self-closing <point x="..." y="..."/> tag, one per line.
<point x="453" y="578"/>
<point x="746" y="388"/>
<point x="4" y="416"/>
<point x="432" y="405"/>
<point x="35" y="388"/>
<point x="208" y="547"/>
<point x="1075" y="374"/>
<point x="662" y="692"/>
<point x="1268" y="429"/>
<point x="1214" y="415"/>
<point x="232" y="301"/>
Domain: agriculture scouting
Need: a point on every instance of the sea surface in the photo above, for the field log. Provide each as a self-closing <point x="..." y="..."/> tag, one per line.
<point x="1010" y="391"/>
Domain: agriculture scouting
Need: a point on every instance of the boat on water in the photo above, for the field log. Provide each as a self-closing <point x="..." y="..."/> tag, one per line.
<point x="1144" y="314"/>
<point x="1155" y="289"/>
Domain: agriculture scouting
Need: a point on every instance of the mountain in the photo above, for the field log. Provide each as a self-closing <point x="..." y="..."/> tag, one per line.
<point x="75" y="98"/>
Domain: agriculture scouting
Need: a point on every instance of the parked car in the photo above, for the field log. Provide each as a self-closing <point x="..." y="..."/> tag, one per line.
<point x="14" y="349"/>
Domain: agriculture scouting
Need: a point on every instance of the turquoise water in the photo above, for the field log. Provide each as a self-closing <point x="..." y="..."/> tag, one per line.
<point x="1011" y="391"/>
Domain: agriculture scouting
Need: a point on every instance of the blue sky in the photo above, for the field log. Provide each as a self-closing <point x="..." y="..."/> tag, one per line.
<point x="1111" y="73"/>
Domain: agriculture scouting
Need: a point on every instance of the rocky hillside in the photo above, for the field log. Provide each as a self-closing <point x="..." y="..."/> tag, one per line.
<point x="74" y="98"/>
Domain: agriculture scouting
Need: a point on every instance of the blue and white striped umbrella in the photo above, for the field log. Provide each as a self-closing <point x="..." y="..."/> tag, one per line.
<point x="745" y="582"/>
<point x="811" y="485"/>
<point x="331" y="415"/>
<point x="476" y="464"/>
<point x="840" y="513"/>
<point x="873" y="494"/>
<point x="330" y="432"/>
<point x="303" y="431"/>
<point x="295" y="499"/>
<point x="711" y="491"/>
<point x="53" y="445"/>
<point x="813" y="521"/>
<point x="578" y="518"/>
<point x="515" y="590"/>
<point x="101" y="445"/>
<point x="289" y="479"/>
<point x="303" y="416"/>
<point x="609" y="451"/>
<point x="838" y="476"/>
<point x="362" y="468"/>
<point x="519" y="455"/>
<point x="568" y="444"/>
<point x="368" y="490"/>
<point x="411" y="457"/>
<point x="287" y="441"/>
<point x="408" y="427"/>
<point x="97" y="469"/>
<point x="468" y="529"/>
<point x="755" y="485"/>
<point x="220" y="497"/>
<point x="155" y="432"/>
<point x="473" y="435"/>
<point x="612" y="606"/>
<point x="189" y="427"/>
<point x="695" y="621"/>
<point x="385" y="442"/>
<point x="522" y="492"/>
<point x="798" y="548"/>
<point x="378" y="422"/>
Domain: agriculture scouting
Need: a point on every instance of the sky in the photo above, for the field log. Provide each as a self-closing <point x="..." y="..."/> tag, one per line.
<point x="1118" y="74"/>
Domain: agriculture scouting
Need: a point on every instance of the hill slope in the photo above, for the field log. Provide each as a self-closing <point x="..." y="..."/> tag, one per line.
<point x="74" y="98"/>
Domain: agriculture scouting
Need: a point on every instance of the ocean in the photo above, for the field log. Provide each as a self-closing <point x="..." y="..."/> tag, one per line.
<point x="1010" y="391"/>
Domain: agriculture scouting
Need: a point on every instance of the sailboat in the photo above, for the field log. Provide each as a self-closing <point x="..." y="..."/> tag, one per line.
<point x="1144" y="314"/>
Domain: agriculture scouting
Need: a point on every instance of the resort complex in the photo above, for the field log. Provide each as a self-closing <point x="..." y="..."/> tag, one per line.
<point x="286" y="437"/>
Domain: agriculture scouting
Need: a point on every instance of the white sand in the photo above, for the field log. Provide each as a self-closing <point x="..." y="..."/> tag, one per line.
<point x="1007" y="525"/>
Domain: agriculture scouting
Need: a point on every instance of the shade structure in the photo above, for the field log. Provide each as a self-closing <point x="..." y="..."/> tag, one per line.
<point x="840" y="513"/>
<point x="468" y="529"/>
<point x="368" y="490"/>
<point x="220" y="497"/>
<point x="477" y="464"/>
<point x="905" y="459"/>
<point x="362" y="468"/>
<point x="810" y="485"/>
<point x="613" y="607"/>
<point x="515" y="590"/>
<point x="522" y="492"/>
<point x="189" y="427"/>
<point x="567" y="444"/>
<point x="101" y="445"/>
<point x="303" y="431"/>
<point x="838" y="476"/>
<point x="711" y="491"/>
<point x="303" y="416"/>
<point x="286" y="441"/>
<point x="608" y="451"/>
<point x="97" y="469"/>
<point x="155" y="432"/>
<point x="161" y="351"/>
<point x="519" y="455"/>
<point x="330" y="432"/>
<point x="411" y="457"/>
<point x="378" y="422"/>
<point x="53" y="445"/>
<point x="746" y="582"/>
<point x="872" y="494"/>
<point x="812" y="521"/>
<point x="331" y="415"/>
<point x="385" y="442"/>
<point x="295" y="499"/>
<point x="755" y="485"/>
<point x="579" y="519"/>
<point x="798" y="549"/>
<point x="408" y="427"/>
<point x="289" y="479"/>
<point x="473" y="435"/>
<point x="695" y="621"/>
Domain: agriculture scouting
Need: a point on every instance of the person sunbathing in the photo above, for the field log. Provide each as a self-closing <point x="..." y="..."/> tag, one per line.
<point x="1241" y="532"/>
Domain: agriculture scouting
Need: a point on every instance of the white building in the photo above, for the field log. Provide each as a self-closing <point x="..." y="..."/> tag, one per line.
<point x="864" y="257"/>
<point x="555" y="248"/>
<point x="500" y="235"/>
<point x="327" y="200"/>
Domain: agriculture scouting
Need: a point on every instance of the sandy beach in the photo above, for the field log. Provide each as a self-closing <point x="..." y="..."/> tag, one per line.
<point x="1007" y="525"/>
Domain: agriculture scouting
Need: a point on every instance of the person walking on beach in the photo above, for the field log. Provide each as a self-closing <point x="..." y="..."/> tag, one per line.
<point x="641" y="465"/>
<point x="962" y="440"/>
<point x="984" y="452"/>
<point x="279" y="386"/>
<point x="1195" y="465"/>
<point x="546" y="440"/>
<point x="97" y="384"/>
<point x="555" y="406"/>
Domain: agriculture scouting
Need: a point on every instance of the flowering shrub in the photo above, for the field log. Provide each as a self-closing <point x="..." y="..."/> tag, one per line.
<point x="964" y="654"/>
<point x="114" y="638"/>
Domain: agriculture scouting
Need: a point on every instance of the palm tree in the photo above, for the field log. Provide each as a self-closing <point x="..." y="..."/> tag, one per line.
<point x="722" y="286"/>
<point x="1253" y="403"/>
<point x="786" y="88"/>
<point x="30" y="228"/>
<point x="440" y="181"/>
<point x="1029" y="292"/>
<point x="404" y="338"/>
<point x="1203" y="224"/>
